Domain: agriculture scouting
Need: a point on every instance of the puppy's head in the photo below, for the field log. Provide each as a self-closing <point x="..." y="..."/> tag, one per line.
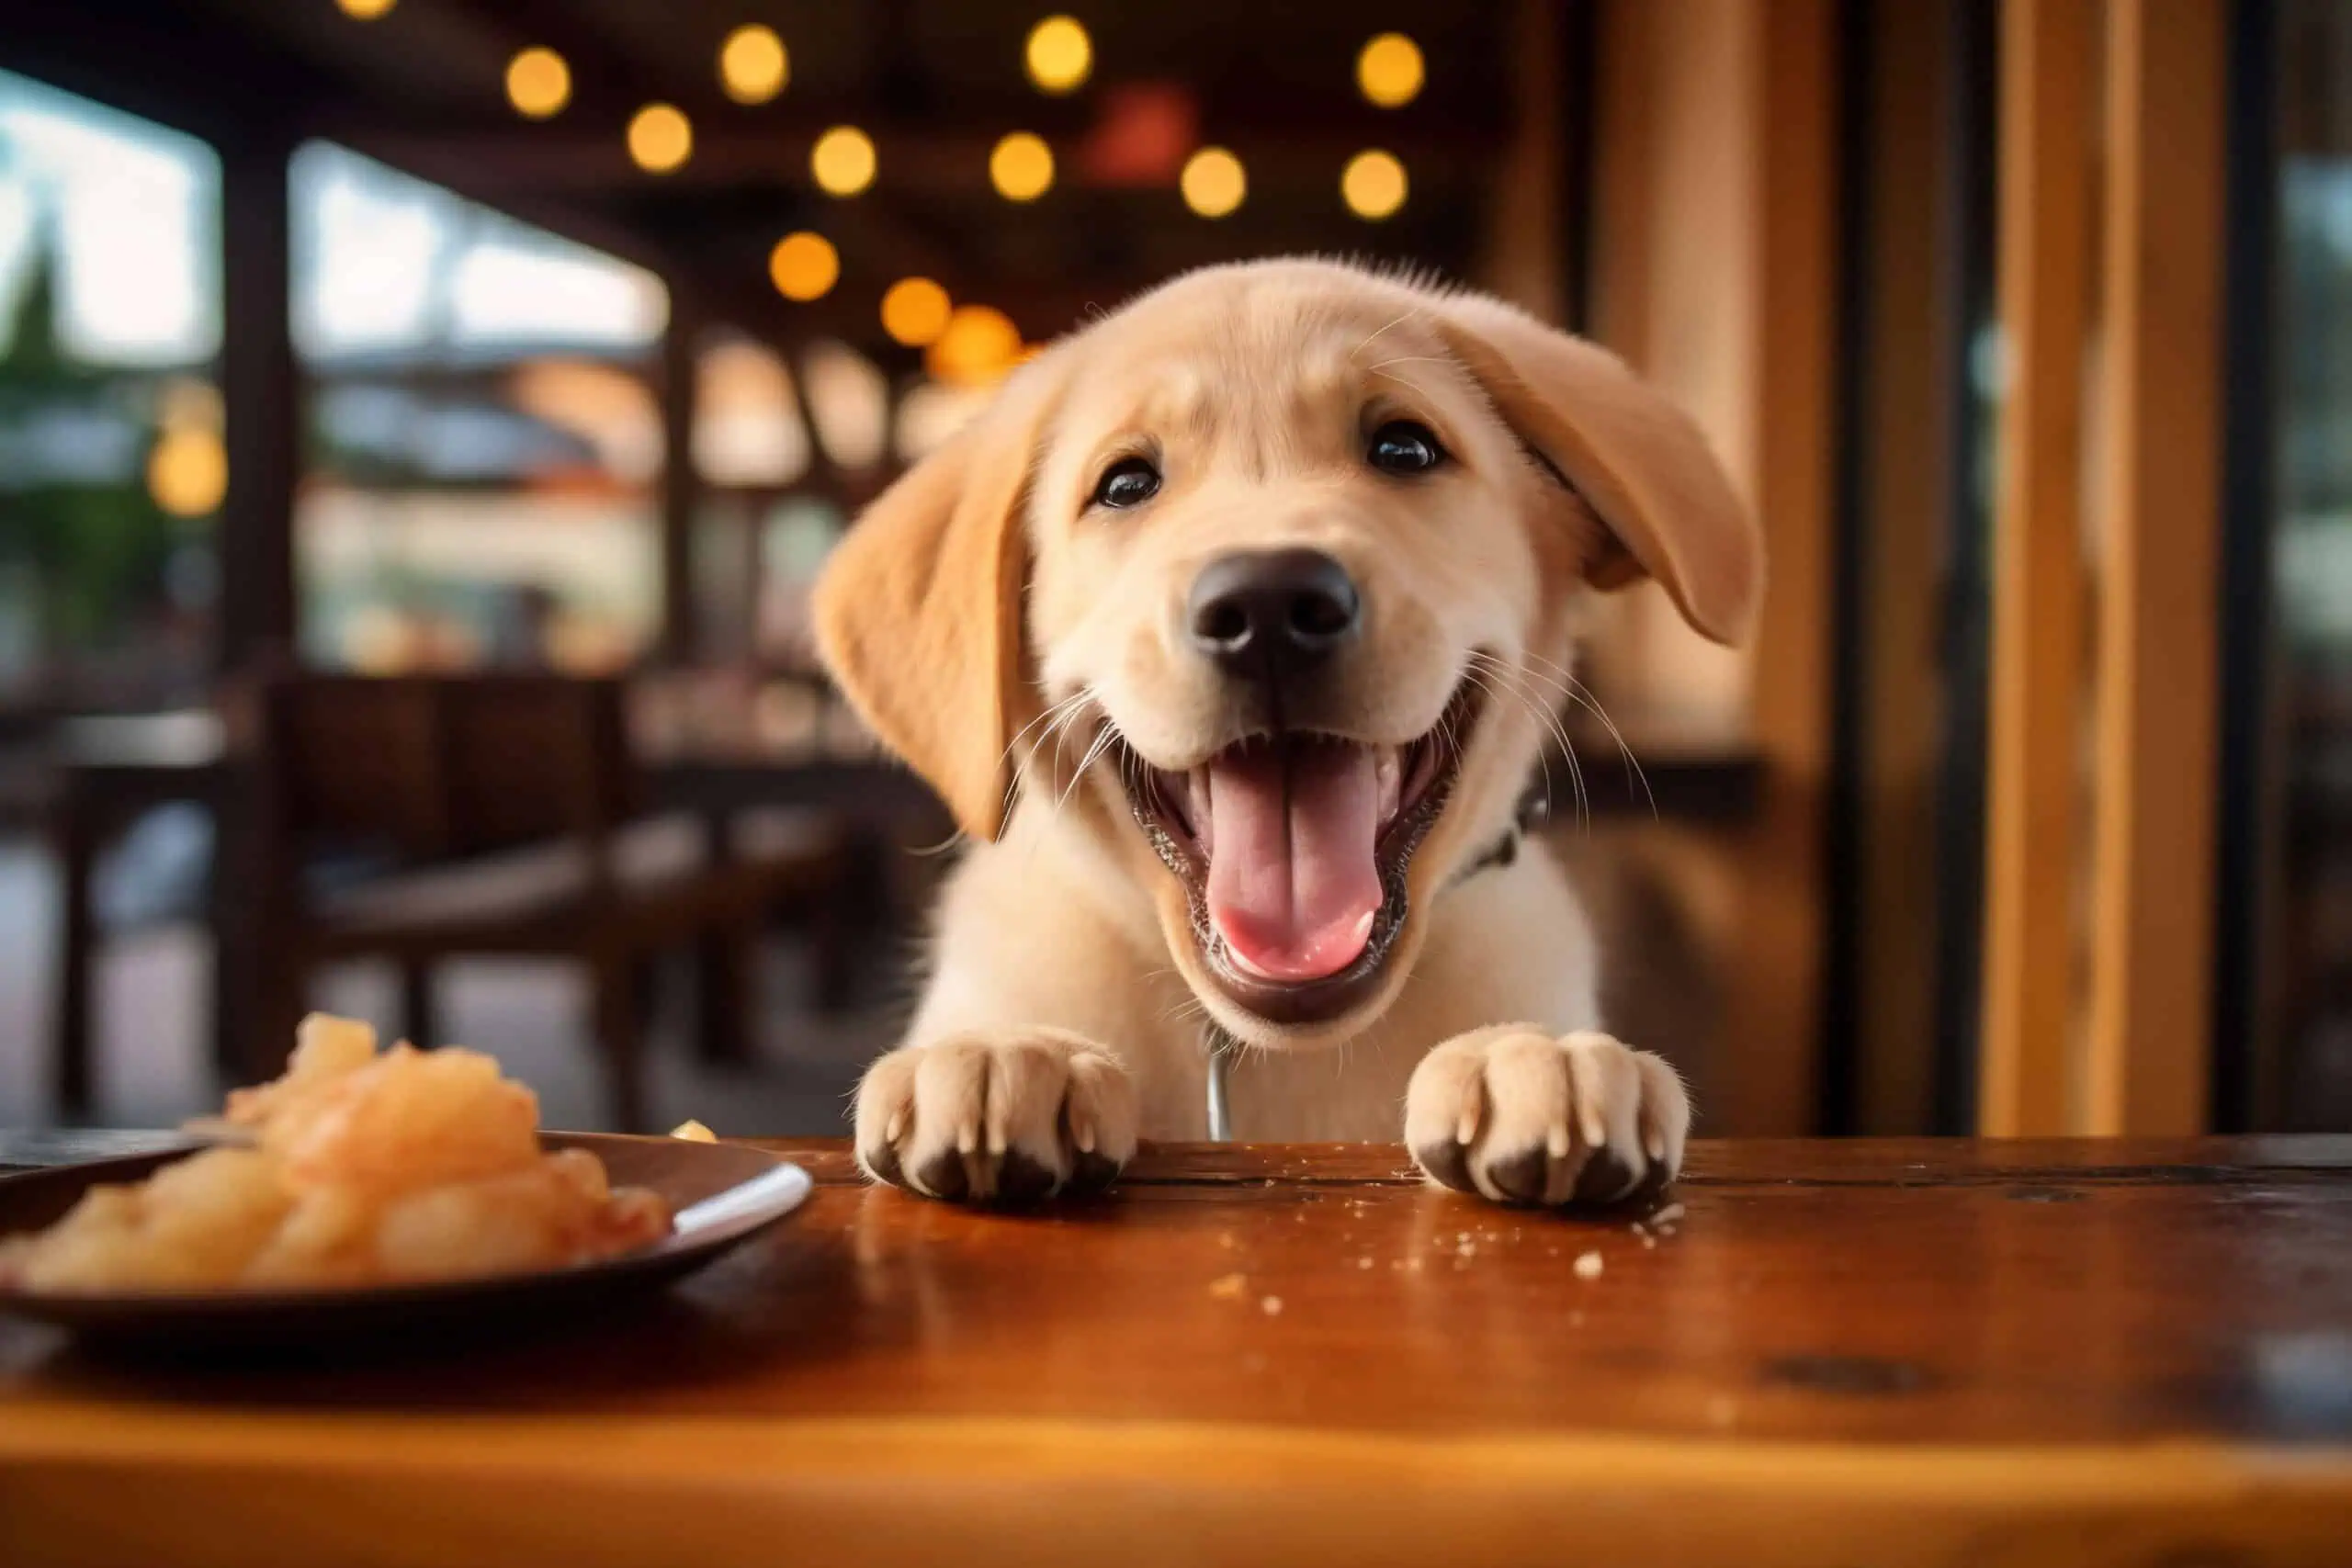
<point x="1270" y="580"/>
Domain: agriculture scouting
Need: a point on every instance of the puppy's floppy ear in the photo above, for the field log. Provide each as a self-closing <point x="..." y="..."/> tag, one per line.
<point x="918" y="610"/>
<point x="1636" y="460"/>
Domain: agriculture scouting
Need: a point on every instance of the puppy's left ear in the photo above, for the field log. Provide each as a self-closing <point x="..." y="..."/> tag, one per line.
<point x="1637" y="460"/>
<point x="918" y="610"/>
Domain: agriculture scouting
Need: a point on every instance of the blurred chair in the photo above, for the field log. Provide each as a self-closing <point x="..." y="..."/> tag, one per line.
<point x="503" y="810"/>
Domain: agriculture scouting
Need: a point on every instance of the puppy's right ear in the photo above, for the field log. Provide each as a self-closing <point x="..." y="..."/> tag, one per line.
<point x="918" y="610"/>
<point x="1638" y="461"/>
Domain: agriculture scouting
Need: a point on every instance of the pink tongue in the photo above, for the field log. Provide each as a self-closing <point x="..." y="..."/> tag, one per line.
<point x="1293" y="884"/>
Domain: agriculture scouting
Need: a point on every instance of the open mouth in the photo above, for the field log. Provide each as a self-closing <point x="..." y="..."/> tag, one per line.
<point x="1293" y="849"/>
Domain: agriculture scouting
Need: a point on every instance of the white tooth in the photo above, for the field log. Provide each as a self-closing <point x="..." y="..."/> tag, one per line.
<point x="1388" y="774"/>
<point x="1241" y="960"/>
<point x="1198" y="783"/>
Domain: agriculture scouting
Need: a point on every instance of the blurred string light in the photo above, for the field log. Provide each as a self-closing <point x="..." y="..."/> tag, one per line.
<point x="804" y="267"/>
<point x="187" y="473"/>
<point x="978" y="345"/>
<point x="752" y="64"/>
<point x="187" y="470"/>
<point x="849" y="404"/>
<point x="538" y="83"/>
<point x="1389" y="71"/>
<point x="915" y="311"/>
<point x="1022" y="167"/>
<point x="842" y="162"/>
<point x="1373" y="184"/>
<point x="365" y="10"/>
<point x="660" y="140"/>
<point x="611" y="411"/>
<point x="1059" y="55"/>
<point x="1212" y="182"/>
<point x="748" y="428"/>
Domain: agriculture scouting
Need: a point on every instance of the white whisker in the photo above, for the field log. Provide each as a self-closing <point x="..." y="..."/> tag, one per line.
<point x="1514" y="679"/>
<point x="1542" y="764"/>
<point x="1053" y="718"/>
<point x="1104" y="739"/>
<point x="1582" y="694"/>
<point x="1398" y="321"/>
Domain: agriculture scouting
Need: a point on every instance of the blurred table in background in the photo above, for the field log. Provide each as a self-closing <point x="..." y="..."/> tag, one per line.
<point x="718" y="748"/>
<point x="98" y="776"/>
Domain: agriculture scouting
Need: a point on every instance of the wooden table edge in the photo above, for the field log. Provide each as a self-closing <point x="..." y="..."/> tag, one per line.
<point x="207" y="1485"/>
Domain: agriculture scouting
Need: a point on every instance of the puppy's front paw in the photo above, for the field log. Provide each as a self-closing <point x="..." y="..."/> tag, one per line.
<point x="1520" y="1116"/>
<point x="997" y="1116"/>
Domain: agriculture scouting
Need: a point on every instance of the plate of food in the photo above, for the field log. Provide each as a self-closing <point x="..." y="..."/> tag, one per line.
<point x="373" y="1193"/>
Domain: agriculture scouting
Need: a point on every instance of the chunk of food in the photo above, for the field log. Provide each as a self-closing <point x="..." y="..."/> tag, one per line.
<point x="408" y="1120"/>
<point x="364" y="1168"/>
<point x="326" y="1050"/>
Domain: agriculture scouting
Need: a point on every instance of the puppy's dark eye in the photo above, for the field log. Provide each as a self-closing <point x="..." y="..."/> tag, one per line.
<point x="1130" y="481"/>
<point x="1404" y="446"/>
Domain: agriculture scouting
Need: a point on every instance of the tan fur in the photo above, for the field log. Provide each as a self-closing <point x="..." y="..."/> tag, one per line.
<point x="922" y="603"/>
<point x="987" y="623"/>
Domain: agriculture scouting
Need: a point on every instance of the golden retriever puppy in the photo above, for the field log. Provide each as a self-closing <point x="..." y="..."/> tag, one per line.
<point x="1230" y="631"/>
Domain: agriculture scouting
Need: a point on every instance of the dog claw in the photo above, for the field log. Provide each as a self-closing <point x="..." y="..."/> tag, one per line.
<point x="1008" y="1119"/>
<point x="1524" y="1117"/>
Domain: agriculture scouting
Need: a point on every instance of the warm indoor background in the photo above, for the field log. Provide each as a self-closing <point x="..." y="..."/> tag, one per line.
<point x="535" y="351"/>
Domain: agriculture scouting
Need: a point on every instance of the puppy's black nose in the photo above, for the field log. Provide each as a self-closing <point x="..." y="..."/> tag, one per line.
<point x="1268" y="612"/>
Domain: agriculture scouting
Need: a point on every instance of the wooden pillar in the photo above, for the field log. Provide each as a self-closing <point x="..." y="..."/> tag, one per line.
<point x="1899" y="405"/>
<point x="2160" y="374"/>
<point x="1773" y="1079"/>
<point x="1713" y="273"/>
<point x="262" y="397"/>
<point x="2030" y="930"/>
<point x="1526" y="256"/>
<point x="680" y="484"/>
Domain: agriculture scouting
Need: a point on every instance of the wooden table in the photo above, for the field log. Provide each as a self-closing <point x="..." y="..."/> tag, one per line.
<point x="1881" y="1353"/>
<point x="107" y="771"/>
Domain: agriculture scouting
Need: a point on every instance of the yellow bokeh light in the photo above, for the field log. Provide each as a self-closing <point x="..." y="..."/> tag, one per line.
<point x="187" y="473"/>
<point x="980" y="344"/>
<point x="842" y="160"/>
<point x="1022" y="167"/>
<point x="915" y="311"/>
<point x="365" y="10"/>
<point x="804" y="267"/>
<point x="752" y="64"/>
<point x="538" y="83"/>
<point x="1374" y="185"/>
<point x="1212" y="182"/>
<point x="660" y="140"/>
<point x="1389" y="71"/>
<point x="1061" y="56"/>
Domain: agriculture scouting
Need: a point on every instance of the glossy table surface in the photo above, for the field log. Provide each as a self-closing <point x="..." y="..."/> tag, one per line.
<point x="1863" y="1351"/>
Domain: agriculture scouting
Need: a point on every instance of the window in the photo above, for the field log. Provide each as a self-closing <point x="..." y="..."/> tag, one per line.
<point x="2308" y="1084"/>
<point x="111" y="459"/>
<point x="484" y="442"/>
